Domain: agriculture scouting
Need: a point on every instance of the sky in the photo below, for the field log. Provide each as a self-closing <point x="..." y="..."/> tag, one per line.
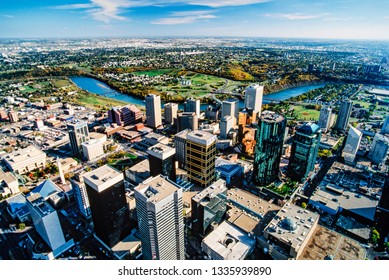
<point x="332" y="19"/>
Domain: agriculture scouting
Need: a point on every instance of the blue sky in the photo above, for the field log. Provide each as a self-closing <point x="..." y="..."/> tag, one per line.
<point x="340" y="19"/>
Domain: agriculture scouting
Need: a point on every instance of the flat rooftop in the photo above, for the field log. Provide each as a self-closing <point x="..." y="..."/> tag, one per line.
<point x="226" y="166"/>
<point x="201" y="137"/>
<point x="229" y="242"/>
<point x="216" y="188"/>
<point x="161" y="151"/>
<point x="38" y="202"/>
<point x="156" y="189"/>
<point x="270" y="116"/>
<point x="103" y="178"/>
<point x="357" y="203"/>
<point x="126" y="246"/>
<point x="292" y="225"/>
<point x="325" y="242"/>
<point x="23" y="154"/>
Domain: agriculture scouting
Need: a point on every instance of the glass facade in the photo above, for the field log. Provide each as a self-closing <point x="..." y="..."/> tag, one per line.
<point x="165" y="167"/>
<point x="305" y="147"/>
<point x="268" y="149"/>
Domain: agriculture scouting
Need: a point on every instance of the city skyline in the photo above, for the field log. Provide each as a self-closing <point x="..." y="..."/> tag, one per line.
<point x="335" y="19"/>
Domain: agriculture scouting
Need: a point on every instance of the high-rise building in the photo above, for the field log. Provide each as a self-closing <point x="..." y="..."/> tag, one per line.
<point x="125" y="115"/>
<point x="107" y="198"/>
<point x="192" y="105"/>
<point x="209" y="206"/>
<point x="46" y="221"/>
<point x="162" y="161"/>
<point x="153" y="110"/>
<point x="187" y="120"/>
<point x="226" y="124"/>
<point x="385" y="126"/>
<point x="159" y="210"/>
<point x="351" y="147"/>
<point x="171" y="110"/>
<point x="268" y="149"/>
<point x="180" y="145"/>
<point x="230" y="107"/>
<point x="253" y="98"/>
<point x="80" y="195"/>
<point x="200" y="157"/>
<point x="92" y="149"/>
<point x="305" y="147"/>
<point x="78" y="134"/>
<point x="344" y="115"/>
<point x="325" y="119"/>
<point x="379" y="149"/>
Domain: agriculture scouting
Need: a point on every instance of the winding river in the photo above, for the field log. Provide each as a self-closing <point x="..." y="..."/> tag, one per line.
<point x="100" y="88"/>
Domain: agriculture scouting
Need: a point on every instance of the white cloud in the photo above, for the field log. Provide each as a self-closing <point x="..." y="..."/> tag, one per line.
<point x="8" y="16"/>
<point x="107" y="10"/>
<point x="185" y="17"/>
<point x="294" y="16"/>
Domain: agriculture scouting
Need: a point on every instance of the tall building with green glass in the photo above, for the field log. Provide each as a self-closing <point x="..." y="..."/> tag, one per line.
<point x="305" y="147"/>
<point x="268" y="148"/>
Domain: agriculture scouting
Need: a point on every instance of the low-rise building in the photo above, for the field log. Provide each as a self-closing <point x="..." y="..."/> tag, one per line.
<point x="25" y="160"/>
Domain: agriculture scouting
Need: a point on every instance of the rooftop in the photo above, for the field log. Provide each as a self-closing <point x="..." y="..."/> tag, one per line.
<point x="309" y="128"/>
<point x="38" y="202"/>
<point x="270" y="117"/>
<point x="46" y="188"/>
<point x="102" y="178"/>
<point x="202" y="137"/>
<point x="229" y="242"/>
<point x="226" y="166"/>
<point x="24" y="154"/>
<point x="216" y="188"/>
<point x="292" y="225"/>
<point x="156" y="189"/>
<point x="161" y="151"/>
<point x="325" y="242"/>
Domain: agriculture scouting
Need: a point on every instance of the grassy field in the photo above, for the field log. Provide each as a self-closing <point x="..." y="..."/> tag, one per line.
<point x="96" y="101"/>
<point x="58" y="83"/>
<point x="201" y="79"/>
<point x="364" y="104"/>
<point x="304" y="114"/>
<point x="153" y="73"/>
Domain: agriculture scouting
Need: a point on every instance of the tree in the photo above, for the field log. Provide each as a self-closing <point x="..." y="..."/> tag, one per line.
<point x="375" y="236"/>
<point x="304" y="205"/>
<point x="386" y="246"/>
<point x="22" y="226"/>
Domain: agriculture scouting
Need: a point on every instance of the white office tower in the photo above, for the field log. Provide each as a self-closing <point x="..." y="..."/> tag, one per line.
<point x="46" y="222"/>
<point x="153" y="110"/>
<point x="80" y="195"/>
<point x="351" y="147"/>
<point x="379" y="149"/>
<point x="171" y="110"/>
<point x="192" y="105"/>
<point x="226" y="124"/>
<point x="385" y="127"/>
<point x="253" y="98"/>
<point x="325" y="119"/>
<point x="60" y="171"/>
<point x="92" y="149"/>
<point x="230" y="107"/>
<point x="160" y="219"/>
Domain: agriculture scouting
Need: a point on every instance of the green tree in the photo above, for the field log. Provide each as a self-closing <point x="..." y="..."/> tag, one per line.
<point x="22" y="226"/>
<point x="375" y="236"/>
<point x="304" y="205"/>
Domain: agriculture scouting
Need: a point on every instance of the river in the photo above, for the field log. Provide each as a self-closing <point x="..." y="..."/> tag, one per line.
<point x="100" y="88"/>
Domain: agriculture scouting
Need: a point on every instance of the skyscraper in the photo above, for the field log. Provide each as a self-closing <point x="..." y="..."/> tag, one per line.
<point x="305" y="146"/>
<point x="180" y="145"/>
<point x="153" y="110"/>
<point x="230" y="107"/>
<point x="200" y="157"/>
<point x="253" y="98"/>
<point x="385" y="126"/>
<point x="192" y="105"/>
<point x="187" y="120"/>
<point x="107" y="198"/>
<point x="226" y="124"/>
<point x="46" y="221"/>
<point x="379" y="148"/>
<point x="344" y="115"/>
<point x="80" y="195"/>
<point x="171" y="110"/>
<point x="208" y="206"/>
<point x="78" y="134"/>
<point x="160" y="219"/>
<point x="268" y="149"/>
<point x="325" y="119"/>
<point x="162" y="161"/>
<point x="351" y="147"/>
